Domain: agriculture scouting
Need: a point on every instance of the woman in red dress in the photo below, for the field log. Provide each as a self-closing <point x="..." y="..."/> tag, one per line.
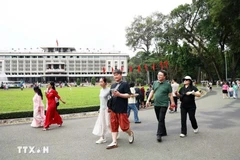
<point x="52" y="116"/>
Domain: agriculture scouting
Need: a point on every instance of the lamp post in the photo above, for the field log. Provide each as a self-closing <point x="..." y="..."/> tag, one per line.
<point x="225" y="54"/>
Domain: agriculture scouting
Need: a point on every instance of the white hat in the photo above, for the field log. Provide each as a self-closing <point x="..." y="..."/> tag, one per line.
<point x="188" y="77"/>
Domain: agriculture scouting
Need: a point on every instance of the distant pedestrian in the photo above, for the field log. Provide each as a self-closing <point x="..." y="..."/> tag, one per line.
<point x="102" y="125"/>
<point x="230" y="91"/>
<point x="118" y="111"/>
<point x="210" y="86"/>
<point x="52" y="116"/>
<point x="142" y="96"/>
<point x="235" y="90"/>
<point x="162" y="91"/>
<point x="174" y="86"/>
<point x="132" y="104"/>
<point x="188" y="106"/>
<point x="148" y="92"/>
<point x="38" y="108"/>
<point x="138" y="102"/>
<point x="225" y="90"/>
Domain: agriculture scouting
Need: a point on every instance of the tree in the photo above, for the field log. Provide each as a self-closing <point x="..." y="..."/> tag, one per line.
<point x="193" y="38"/>
<point x="186" y="23"/>
<point x="78" y="81"/>
<point x="140" y="35"/>
<point x="226" y="15"/>
<point x="93" y="81"/>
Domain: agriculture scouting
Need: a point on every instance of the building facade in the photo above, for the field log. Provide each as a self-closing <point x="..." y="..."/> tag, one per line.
<point x="60" y="64"/>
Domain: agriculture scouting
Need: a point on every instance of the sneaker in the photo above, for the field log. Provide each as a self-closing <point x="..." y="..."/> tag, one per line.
<point x="59" y="125"/>
<point x="159" y="138"/>
<point x="195" y="130"/>
<point x="112" y="145"/>
<point x="182" y="135"/>
<point x="101" y="140"/>
<point x="45" y="129"/>
<point x="131" y="138"/>
<point x="138" y="122"/>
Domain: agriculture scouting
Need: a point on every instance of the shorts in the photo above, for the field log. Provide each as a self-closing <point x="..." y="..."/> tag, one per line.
<point x="224" y="91"/>
<point x="119" y="119"/>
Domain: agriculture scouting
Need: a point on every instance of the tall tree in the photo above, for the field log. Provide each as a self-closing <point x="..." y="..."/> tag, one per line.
<point x="140" y="35"/>
<point x="226" y="15"/>
<point x="186" y="20"/>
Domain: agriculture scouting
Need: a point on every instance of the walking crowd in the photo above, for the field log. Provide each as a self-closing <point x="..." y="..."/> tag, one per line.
<point x="230" y="89"/>
<point x="124" y="98"/>
<point x="117" y="102"/>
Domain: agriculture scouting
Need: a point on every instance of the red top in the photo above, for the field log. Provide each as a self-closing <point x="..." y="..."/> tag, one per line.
<point x="143" y="91"/>
<point x="51" y="94"/>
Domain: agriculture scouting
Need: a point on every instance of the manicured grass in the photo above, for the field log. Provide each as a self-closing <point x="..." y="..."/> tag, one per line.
<point x="14" y="100"/>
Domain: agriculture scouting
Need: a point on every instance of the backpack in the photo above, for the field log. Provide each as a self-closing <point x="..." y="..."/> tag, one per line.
<point x="137" y="91"/>
<point x="148" y="92"/>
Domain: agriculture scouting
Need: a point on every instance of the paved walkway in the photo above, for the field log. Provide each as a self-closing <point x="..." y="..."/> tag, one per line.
<point x="218" y="137"/>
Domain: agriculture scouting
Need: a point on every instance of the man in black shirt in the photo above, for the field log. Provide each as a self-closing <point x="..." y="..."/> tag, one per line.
<point x="118" y="111"/>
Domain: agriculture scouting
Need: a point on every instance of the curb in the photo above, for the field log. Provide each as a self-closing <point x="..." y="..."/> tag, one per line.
<point x="64" y="117"/>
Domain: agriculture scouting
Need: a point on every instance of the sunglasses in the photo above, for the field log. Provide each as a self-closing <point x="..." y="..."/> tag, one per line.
<point x="186" y="80"/>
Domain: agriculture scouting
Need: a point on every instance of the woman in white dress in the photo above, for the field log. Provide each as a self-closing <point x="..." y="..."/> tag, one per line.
<point x="102" y="125"/>
<point x="38" y="108"/>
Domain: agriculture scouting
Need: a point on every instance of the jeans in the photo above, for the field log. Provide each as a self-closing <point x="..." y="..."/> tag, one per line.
<point x="235" y="93"/>
<point x="160" y="112"/>
<point x="191" y="112"/>
<point x="135" y="111"/>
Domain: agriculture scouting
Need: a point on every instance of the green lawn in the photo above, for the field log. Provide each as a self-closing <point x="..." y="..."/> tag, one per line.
<point x="14" y="100"/>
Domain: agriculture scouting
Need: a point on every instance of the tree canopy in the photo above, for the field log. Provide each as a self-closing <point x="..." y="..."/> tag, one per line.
<point x="198" y="39"/>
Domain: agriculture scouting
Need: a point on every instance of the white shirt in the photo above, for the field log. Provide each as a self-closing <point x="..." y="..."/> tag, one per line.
<point x="132" y="100"/>
<point x="174" y="88"/>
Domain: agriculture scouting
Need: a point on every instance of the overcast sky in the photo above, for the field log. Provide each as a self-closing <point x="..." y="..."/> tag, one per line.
<point x="94" y="24"/>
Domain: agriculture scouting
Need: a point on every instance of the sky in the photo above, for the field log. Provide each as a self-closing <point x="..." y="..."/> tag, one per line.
<point x="93" y="24"/>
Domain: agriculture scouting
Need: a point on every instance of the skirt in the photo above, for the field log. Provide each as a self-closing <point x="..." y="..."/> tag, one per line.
<point x="102" y="125"/>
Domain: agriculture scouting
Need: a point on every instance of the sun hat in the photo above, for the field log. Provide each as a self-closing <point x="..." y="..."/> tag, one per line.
<point x="187" y="78"/>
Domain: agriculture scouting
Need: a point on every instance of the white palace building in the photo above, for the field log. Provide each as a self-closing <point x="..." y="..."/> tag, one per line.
<point x="60" y="64"/>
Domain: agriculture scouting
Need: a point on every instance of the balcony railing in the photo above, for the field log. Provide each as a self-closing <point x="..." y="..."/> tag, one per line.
<point x="55" y="70"/>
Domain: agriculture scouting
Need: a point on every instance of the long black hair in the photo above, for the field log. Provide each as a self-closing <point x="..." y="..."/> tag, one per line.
<point x="53" y="85"/>
<point x="38" y="91"/>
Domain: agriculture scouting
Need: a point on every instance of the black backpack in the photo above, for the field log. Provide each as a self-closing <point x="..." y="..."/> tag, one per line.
<point x="138" y="91"/>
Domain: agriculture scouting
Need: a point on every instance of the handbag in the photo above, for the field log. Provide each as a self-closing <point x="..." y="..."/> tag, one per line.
<point x="110" y="99"/>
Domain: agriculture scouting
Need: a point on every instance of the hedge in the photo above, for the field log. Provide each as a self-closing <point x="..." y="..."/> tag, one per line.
<point x="60" y="111"/>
